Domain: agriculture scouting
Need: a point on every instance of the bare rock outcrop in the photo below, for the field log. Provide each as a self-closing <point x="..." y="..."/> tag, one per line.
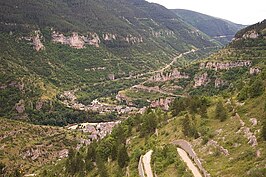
<point x="252" y="140"/>
<point x="75" y="40"/>
<point x="111" y="76"/>
<point x="254" y="71"/>
<point x="39" y="105"/>
<point x="201" y="80"/>
<point x="162" y="102"/>
<point x="162" y="33"/>
<point x="122" y="97"/>
<point x="221" y="148"/>
<point x="254" y="121"/>
<point x="33" y="153"/>
<point x="219" y="83"/>
<point x="36" y="40"/>
<point x="251" y="35"/>
<point x="20" y="106"/>
<point x="109" y="37"/>
<point x="133" y="39"/>
<point x="224" y="65"/>
<point x="175" y="74"/>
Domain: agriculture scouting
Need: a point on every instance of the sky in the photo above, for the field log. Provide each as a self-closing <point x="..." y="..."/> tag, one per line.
<point x="238" y="11"/>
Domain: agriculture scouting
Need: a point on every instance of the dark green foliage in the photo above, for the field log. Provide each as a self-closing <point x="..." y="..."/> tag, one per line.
<point x="105" y="148"/>
<point x="101" y="166"/>
<point x="258" y="27"/>
<point x="243" y="94"/>
<point x="16" y="173"/>
<point x="211" y="26"/>
<point x="189" y="128"/>
<point x="165" y="156"/>
<point x="194" y="104"/>
<point x="220" y="112"/>
<point x="257" y="88"/>
<point x="2" y="168"/>
<point x="149" y="124"/>
<point x="264" y="130"/>
<point x="122" y="156"/>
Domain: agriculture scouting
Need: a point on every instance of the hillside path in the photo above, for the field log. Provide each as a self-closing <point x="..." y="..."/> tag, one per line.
<point x="147" y="163"/>
<point x="189" y="162"/>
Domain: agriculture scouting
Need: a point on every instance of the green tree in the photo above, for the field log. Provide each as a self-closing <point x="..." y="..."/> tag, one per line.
<point x="122" y="156"/>
<point x="149" y="124"/>
<point x="243" y="94"/>
<point x="220" y="112"/>
<point x="101" y="166"/>
<point x="257" y="88"/>
<point x="106" y="147"/>
<point x="189" y="127"/>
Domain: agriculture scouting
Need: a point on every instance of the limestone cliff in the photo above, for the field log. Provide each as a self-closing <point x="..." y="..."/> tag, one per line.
<point x="75" y="40"/>
<point x="224" y="65"/>
<point x="175" y="74"/>
<point x="36" y="40"/>
<point x="201" y="80"/>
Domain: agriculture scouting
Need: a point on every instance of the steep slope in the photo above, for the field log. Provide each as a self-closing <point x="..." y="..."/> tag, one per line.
<point x="221" y="115"/>
<point x="25" y="147"/>
<point x="219" y="29"/>
<point x="92" y="47"/>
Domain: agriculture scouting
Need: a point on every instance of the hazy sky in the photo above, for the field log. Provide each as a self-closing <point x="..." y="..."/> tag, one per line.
<point x="238" y="11"/>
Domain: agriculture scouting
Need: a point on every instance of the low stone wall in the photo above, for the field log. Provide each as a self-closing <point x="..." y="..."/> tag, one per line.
<point x="187" y="147"/>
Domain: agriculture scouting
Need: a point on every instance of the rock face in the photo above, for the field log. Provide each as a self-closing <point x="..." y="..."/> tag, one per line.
<point x="201" y="80"/>
<point x="37" y="44"/>
<point x="39" y="105"/>
<point x="224" y="65"/>
<point x="162" y="33"/>
<point x="33" y="153"/>
<point x="133" y="39"/>
<point x="20" y="106"/>
<point x="221" y="148"/>
<point x="163" y="103"/>
<point x="254" y="70"/>
<point x="75" y="40"/>
<point x="109" y="37"/>
<point x="111" y="77"/>
<point x="219" y="83"/>
<point x="168" y="76"/>
<point x="252" y="140"/>
<point x="251" y="35"/>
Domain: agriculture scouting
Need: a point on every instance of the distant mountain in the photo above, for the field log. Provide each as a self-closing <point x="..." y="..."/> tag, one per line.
<point x="219" y="29"/>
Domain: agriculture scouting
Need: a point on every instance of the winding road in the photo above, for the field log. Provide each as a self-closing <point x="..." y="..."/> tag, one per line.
<point x="189" y="162"/>
<point x="146" y="160"/>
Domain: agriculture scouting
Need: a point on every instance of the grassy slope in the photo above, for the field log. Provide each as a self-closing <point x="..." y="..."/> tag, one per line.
<point x="18" y="137"/>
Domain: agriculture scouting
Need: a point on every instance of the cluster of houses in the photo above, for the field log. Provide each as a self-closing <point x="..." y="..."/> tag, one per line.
<point x="69" y="99"/>
<point x="96" y="131"/>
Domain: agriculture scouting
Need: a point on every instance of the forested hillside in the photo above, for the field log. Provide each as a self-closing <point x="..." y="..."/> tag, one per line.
<point x="219" y="29"/>
<point x="53" y="46"/>
<point x="223" y="121"/>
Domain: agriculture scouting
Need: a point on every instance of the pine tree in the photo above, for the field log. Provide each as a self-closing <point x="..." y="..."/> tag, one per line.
<point x="101" y="166"/>
<point x="122" y="156"/>
<point x="257" y="88"/>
